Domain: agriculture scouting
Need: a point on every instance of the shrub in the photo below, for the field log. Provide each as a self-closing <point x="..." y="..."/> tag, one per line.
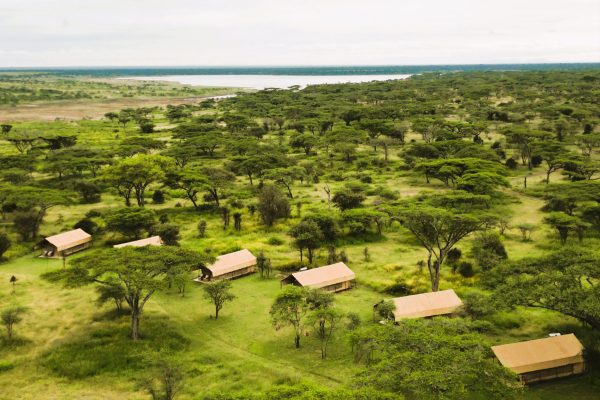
<point x="202" y="228"/>
<point x="6" y="365"/>
<point x="93" y="214"/>
<point x="275" y="241"/>
<point x="488" y="250"/>
<point x="87" y="225"/>
<point x="89" y="192"/>
<point x="398" y="289"/>
<point x="465" y="268"/>
<point x="169" y="233"/>
<point x="131" y="221"/>
<point x="5" y="243"/>
<point x="158" y="197"/>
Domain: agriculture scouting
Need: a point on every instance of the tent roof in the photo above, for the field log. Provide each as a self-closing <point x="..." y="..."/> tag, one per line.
<point x="538" y="354"/>
<point x="324" y="276"/>
<point x="232" y="262"/>
<point x="69" y="239"/>
<point x="151" y="241"/>
<point x="426" y="304"/>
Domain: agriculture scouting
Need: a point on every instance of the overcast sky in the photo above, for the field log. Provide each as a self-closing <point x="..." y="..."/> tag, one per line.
<point x="299" y="32"/>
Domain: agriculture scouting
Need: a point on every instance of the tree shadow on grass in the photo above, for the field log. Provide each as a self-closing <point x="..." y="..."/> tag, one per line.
<point x="109" y="350"/>
<point x="13" y="344"/>
<point x="111" y="315"/>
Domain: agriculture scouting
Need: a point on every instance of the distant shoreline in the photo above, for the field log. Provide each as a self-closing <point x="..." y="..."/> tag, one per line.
<point x="114" y="71"/>
<point x="259" y="82"/>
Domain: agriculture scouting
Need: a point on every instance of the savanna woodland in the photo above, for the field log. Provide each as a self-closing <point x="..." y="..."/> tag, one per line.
<point x="482" y="182"/>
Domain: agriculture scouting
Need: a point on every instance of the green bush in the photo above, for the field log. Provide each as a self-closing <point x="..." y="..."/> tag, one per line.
<point x="465" y="268"/>
<point x="275" y="241"/>
<point x="6" y="365"/>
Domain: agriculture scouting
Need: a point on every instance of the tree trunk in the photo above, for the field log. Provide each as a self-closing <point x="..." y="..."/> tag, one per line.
<point x="297" y="340"/>
<point x="135" y="323"/>
<point x="216" y="312"/>
<point x="9" y="332"/>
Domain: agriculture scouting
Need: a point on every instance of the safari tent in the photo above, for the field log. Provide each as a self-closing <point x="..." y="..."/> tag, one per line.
<point x="229" y="266"/>
<point x="66" y="243"/>
<point x="334" y="278"/>
<point x="151" y="241"/>
<point x="543" y="359"/>
<point x="425" y="305"/>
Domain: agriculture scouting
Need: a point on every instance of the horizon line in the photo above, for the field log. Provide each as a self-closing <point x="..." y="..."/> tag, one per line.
<point x="296" y="65"/>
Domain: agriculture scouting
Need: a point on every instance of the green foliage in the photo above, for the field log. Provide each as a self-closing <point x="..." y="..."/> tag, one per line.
<point x="554" y="281"/>
<point x="5" y="243"/>
<point x="307" y="236"/>
<point x="218" y="293"/>
<point x="131" y="221"/>
<point x="399" y="355"/>
<point x="488" y="250"/>
<point x="272" y="205"/>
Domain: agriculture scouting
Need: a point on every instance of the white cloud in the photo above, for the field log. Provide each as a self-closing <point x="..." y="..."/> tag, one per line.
<point x="317" y="32"/>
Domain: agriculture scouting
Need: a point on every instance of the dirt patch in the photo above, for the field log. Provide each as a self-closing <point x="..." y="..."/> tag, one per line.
<point x="83" y="109"/>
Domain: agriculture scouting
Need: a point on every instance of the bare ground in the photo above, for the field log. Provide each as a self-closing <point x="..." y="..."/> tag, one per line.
<point x="83" y="109"/>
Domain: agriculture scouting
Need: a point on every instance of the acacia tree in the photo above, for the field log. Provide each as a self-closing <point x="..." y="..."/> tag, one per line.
<point x="218" y="293"/>
<point x="141" y="271"/>
<point x="286" y="177"/>
<point x="35" y="202"/>
<point x="216" y="180"/>
<point x="290" y="309"/>
<point x="134" y="174"/>
<point x="10" y="317"/>
<point x="438" y="229"/>
<point x="307" y="236"/>
<point x="431" y="359"/>
<point x="272" y="205"/>
<point x="566" y="281"/>
<point x="190" y="180"/>
<point x="554" y="155"/>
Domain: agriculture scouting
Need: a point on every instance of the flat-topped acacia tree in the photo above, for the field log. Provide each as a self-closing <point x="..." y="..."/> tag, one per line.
<point x="440" y="222"/>
<point x="141" y="271"/>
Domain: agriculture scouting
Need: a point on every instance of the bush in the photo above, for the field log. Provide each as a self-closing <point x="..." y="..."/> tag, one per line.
<point x="294" y="266"/>
<point x="158" y="197"/>
<point x="202" y="228"/>
<point x="89" y="192"/>
<point x="5" y="243"/>
<point x="93" y="214"/>
<point x="398" y="289"/>
<point x="275" y="241"/>
<point x="465" y="268"/>
<point x="131" y="221"/>
<point x="169" y="233"/>
<point x="478" y="305"/>
<point x="536" y="161"/>
<point x="87" y="225"/>
<point x="488" y="250"/>
<point x="6" y="365"/>
<point x="511" y="163"/>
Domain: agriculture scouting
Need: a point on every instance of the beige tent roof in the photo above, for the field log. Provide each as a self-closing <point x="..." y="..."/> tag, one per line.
<point x="324" y="276"/>
<point x="232" y="262"/>
<point x="66" y="240"/>
<point x="426" y="304"/>
<point x="538" y="354"/>
<point x="151" y="241"/>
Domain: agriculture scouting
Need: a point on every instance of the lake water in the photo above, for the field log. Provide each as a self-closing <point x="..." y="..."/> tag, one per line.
<point x="266" y="81"/>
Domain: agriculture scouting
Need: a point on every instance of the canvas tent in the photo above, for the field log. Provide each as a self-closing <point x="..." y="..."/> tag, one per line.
<point x="426" y="304"/>
<point x="151" y="241"/>
<point x="333" y="278"/>
<point x="66" y="243"/>
<point x="543" y="359"/>
<point x="228" y="266"/>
